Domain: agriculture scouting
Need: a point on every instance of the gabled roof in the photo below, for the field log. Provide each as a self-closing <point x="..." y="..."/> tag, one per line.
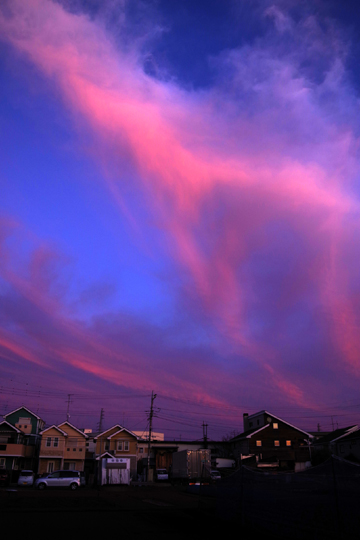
<point x="336" y="435"/>
<point x="11" y="426"/>
<point x="353" y="432"/>
<point x="121" y="428"/>
<point x="26" y="409"/>
<point x="75" y="428"/>
<point x="249" y="433"/>
<point x="54" y="427"/>
<point x="105" y="454"/>
<point x="283" y="421"/>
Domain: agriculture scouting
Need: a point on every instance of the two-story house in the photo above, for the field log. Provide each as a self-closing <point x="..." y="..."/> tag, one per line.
<point x="117" y="449"/>
<point x="20" y="439"/>
<point x="62" y="447"/>
<point x="272" y="442"/>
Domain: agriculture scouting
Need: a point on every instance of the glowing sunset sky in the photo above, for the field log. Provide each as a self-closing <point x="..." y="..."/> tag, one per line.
<point x="180" y="211"/>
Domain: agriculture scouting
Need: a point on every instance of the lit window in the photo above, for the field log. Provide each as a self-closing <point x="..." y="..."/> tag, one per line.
<point x="276" y="443"/>
<point x="258" y="443"/>
<point x="288" y="443"/>
<point x="275" y="425"/>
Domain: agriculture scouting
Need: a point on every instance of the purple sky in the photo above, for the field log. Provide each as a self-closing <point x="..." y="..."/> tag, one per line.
<point x="179" y="211"/>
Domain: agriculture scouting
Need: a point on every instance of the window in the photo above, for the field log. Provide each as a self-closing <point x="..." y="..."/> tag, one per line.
<point x="50" y="467"/>
<point x="123" y="446"/>
<point x="48" y="442"/>
<point x="258" y="443"/>
<point x="276" y="443"/>
<point x="288" y="443"/>
<point x="141" y="450"/>
<point x="275" y="425"/>
<point x="56" y="442"/>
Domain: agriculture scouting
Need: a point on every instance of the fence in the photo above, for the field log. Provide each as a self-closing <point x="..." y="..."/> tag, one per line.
<point x="321" y="502"/>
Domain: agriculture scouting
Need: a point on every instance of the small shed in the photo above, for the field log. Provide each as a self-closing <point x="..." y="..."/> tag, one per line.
<point x="114" y="470"/>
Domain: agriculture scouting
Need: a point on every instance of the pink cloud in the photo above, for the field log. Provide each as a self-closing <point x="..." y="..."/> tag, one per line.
<point x="282" y="160"/>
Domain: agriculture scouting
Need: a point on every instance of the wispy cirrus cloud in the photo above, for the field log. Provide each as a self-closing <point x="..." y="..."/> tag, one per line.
<point x="252" y="180"/>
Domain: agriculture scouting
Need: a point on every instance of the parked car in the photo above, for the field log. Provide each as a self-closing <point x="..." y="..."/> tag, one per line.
<point x="215" y="475"/>
<point x="4" y="477"/>
<point x="161" y="475"/>
<point x="26" y="478"/>
<point x="71" y="479"/>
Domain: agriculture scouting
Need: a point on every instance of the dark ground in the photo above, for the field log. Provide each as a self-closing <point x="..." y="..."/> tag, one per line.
<point x="311" y="507"/>
<point x="157" y="510"/>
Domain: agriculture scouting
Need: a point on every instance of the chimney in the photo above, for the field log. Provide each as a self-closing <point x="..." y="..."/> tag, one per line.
<point x="245" y="421"/>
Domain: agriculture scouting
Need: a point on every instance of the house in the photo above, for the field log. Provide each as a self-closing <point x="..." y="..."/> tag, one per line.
<point x="118" y="442"/>
<point x="62" y="447"/>
<point x="341" y="442"/>
<point x="347" y="445"/>
<point x="20" y="439"/>
<point x="271" y="442"/>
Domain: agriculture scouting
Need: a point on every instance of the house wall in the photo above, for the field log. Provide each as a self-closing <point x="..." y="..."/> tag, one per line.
<point x="74" y="448"/>
<point x="57" y="463"/>
<point x="283" y="443"/>
<point x="348" y="448"/>
<point x="103" y="444"/>
<point x="56" y="447"/>
<point x="14" y="417"/>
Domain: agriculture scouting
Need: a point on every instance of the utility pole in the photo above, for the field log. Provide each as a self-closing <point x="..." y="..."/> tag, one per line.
<point x="205" y="426"/>
<point x="68" y="407"/>
<point x="153" y="396"/>
<point x="101" y="420"/>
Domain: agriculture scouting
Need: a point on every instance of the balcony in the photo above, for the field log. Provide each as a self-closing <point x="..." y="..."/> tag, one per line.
<point x="16" y="450"/>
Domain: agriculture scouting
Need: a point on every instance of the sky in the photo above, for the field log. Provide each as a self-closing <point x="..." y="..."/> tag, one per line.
<point x="180" y="211"/>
